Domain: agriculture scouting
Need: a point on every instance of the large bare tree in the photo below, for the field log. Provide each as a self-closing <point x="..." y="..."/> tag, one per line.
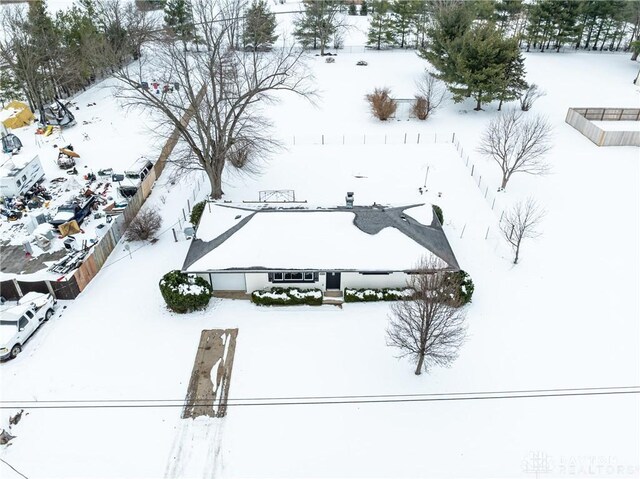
<point x="429" y="328"/>
<point x="521" y="222"/>
<point x="228" y="90"/>
<point x="517" y="142"/>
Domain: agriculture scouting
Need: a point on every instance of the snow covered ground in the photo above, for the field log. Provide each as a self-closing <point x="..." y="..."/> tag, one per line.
<point x="566" y="317"/>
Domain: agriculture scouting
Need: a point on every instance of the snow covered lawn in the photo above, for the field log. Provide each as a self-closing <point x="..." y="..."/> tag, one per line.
<point x="566" y="317"/>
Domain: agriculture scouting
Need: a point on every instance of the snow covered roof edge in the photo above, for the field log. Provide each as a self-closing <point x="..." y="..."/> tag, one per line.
<point x="369" y="219"/>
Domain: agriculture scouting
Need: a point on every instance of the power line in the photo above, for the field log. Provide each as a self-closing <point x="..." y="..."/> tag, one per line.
<point x="442" y="397"/>
<point x="25" y="477"/>
<point x="359" y="396"/>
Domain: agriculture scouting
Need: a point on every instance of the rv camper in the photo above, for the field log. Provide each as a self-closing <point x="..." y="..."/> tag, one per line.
<point x="19" y="175"/>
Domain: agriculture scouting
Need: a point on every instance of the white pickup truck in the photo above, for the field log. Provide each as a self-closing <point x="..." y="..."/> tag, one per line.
<point x="18" y="323"/>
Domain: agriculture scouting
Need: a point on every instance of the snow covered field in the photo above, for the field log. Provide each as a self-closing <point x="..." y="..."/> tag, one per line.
<point x="566" y="317"/>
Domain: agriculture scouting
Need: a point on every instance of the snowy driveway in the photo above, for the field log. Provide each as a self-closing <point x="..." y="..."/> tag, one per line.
<point x="209" y="384"/>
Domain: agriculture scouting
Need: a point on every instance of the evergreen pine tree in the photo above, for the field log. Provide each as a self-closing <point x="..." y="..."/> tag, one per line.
<point x="381" y="26"/>
<point x="566" y="28"/>
<point x="79" y="36"/>
<point x="44" y="42"/>
<point x="444" y="40"/>
<point x="513" y="76"/>
<point x="506" y="13"/>
<point x="471" y="58"/>
<point x="364" y="8"/>
<point x="352" y="9"/>
<point x="318" y="23"/>
<point x="178" y="17"/>
<point x="259" y="27"/>
<point x="403" y="18"/>
<point x="481" y="59"/>
<point x="10" y="87"/>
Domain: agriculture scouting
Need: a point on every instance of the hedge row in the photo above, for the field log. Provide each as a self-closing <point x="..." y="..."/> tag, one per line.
<point x="462" y="283"/>
<point x="184" y="293"/>
<point x="287" y="297"/>
<point x="365" y="295"/>
<point x="196" y="213"/>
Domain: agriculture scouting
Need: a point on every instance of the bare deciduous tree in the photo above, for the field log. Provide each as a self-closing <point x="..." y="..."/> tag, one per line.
<point x="529" y="97"/>
<point x="228" y="90"/>
<point x="517" y="143"/>
<point x="382" y="105"/>
<point x="431" y="94"/>
<point x="428" y="328"/>
<point x="521" y="222"/>
<point x="145" y="225"/>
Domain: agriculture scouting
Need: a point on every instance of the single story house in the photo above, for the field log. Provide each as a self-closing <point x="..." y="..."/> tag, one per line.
<point x="237" y="248"/>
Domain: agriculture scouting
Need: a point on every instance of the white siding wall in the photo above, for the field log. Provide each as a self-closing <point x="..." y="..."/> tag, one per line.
<point x="250" y="282"/>
<point x="378" y="281"/>
<point x="228" y="281"/>
<point x="256" y="281"/>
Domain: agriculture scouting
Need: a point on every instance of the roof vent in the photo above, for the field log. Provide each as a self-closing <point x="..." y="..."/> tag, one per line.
<point x="349" y="199"/>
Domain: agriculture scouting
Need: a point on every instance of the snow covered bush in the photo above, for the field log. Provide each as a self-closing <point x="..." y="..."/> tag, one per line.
<point x="184" y="293"/>
<point x="196" y="213"/>
<point x="438" y="212"/>
<point x="459" y="287"/>
<point x="368" y="294"/>
<point x="287" y="297"/>
<point x="382" y="105"/>
<point x="144" y="226"/>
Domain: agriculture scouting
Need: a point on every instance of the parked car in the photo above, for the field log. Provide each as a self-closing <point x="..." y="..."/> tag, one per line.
<point x="77" y="210"/>
<point x="19" y="323"/>
<point x="130" y="181"/>
<point x="362" y="63"/>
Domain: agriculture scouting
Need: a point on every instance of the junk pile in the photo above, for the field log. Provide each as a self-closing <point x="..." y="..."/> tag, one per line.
<point x="67" y="157"/>
<point x="13" y="207"/>
<point x="57" y="114"/>
<point x="11" y="144"/>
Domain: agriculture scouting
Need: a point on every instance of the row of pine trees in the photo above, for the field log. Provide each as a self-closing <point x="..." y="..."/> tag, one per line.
<point x="46" y="56"/>
<point x="538" y="24"/>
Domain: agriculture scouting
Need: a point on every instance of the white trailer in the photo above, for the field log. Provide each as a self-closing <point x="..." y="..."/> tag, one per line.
<point x="18" y="175"/>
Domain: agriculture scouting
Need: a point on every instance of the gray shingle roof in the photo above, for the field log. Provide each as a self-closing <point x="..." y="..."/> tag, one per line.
<point x="369" y="219"/>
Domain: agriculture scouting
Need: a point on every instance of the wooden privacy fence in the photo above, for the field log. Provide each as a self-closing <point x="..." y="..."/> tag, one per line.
<point x="581" y="119"/>
<point x="71" y="287"/>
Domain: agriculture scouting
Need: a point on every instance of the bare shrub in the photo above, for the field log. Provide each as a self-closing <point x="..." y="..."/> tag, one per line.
<point x="144" y="226"/>
<point x="529" y="97"/>
<point x="421" y="108"/>
<point x="431" y="94"/>
<point x="382" y="105"/>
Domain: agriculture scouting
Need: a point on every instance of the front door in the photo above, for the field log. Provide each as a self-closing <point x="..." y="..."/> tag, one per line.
<point x="333" y="280"/>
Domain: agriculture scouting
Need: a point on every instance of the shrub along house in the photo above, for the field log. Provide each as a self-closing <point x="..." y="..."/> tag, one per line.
<point x="244" y="250"/>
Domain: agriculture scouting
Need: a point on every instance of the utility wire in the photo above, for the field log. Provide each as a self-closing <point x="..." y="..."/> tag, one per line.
<point x="25" y="477"/>
<point x="360" y="396"/>
<point x="331" y="401"/>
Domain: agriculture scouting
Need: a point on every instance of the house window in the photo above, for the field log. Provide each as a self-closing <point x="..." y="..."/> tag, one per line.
<point x="18" y="182"/>
<point x="24" y="177"/>
<point x="293" y="277"/>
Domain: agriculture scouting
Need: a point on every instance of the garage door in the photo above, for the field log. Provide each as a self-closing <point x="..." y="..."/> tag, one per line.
<point x="228" y="281"/>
